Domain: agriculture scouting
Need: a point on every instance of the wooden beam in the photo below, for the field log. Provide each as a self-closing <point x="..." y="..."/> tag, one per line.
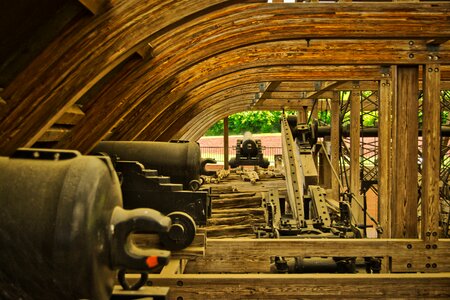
<point x="335" y="144"/>
<point x="267" y="91"/>
<point x="253" y="255"/>
<point x="387" y="98"/>
<point x="324" y="87"/>
<point x="355" y="180"/>
<point x="431" y="152"/>
<point x="300" y="286"/>
<point x="404" y="206"/>
<point x="226" y="154"/>
<point x="94" y="6"/>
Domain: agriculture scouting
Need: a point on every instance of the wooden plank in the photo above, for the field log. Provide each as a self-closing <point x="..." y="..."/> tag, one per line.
<point x="253" y="255"/>
<point x="335" y="144"/>
<point x="404" y="208"/>
<point x="431" y="152"/>
<point x="159" y="292"/>
<point x="301" y="286"/>
<point x="355" y="181"/>
<point x="386" y="94"/>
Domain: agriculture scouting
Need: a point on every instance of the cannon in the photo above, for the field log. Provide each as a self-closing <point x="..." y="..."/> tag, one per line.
<point x="249" y="153"/>
<point x="63" y="230"/>
<point x="157" y="175"/>
<point x="180" y="160"/>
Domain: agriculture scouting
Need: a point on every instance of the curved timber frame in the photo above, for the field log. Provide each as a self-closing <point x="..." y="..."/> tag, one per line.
<point x="157" y="70"/>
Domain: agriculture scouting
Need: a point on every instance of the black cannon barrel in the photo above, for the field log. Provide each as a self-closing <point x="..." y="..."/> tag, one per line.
<point x="179" y="160"/>
<point x="57" y="236"/>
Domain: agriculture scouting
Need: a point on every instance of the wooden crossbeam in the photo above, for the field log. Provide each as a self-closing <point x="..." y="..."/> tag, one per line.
<point x="324" y="87"/>
<point x="253" y="255"/>
<point x="266" y="92"/>
<point x="300" y="286"/>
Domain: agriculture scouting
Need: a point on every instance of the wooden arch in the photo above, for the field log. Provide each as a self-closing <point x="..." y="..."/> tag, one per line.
<point x="93" y="58"/>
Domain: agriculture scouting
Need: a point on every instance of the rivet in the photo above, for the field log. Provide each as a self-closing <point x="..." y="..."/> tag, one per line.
<point x="180" y="283"/>
<point x="430" y="57"/>
<point x="411" y="55"/>
<point x="428" y="265"/>
<point x="428" y="233"/>
<point x="434" y="246"/>
<point x="434" y="265"/>
<point x="436" y="69"/>
<point x="383" y="84"/>
<point x="436" y="57"/>
<point x="428" y="246"/>
<point x="434" y="233"/>
<point x="409" y="246"/>
<point x="430" y="69"/>
<point x="409" y="265"/>
<point x="411" y="43"/>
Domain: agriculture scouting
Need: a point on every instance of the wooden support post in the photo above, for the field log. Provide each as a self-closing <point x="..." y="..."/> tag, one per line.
<point x="302" y="115"/>
<point x="225" y="144"/>
<point x="335" y="144"/>
<point x="355" y="180"/>
<point x="405" y="170"/>
<point x="387" y="96"/>
<point x="431" y="152"/>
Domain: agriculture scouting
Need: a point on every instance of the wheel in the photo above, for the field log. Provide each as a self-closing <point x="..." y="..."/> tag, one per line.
<point x="181" y="233"/>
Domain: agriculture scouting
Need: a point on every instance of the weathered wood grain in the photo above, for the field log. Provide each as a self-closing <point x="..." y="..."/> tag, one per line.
<point x="355" y="180"/>
<point x="305" y="286"/>
<point x="387" y="93"/>
<point x="253" y="255"/>
<point x="431" y="152"/>
<point x="404" y="205"/>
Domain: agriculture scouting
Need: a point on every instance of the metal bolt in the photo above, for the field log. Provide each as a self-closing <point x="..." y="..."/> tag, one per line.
<point x="409" y="246"/>
<point x="434" y="265"/>
<point x="428" y="246"/>
<point x="430" y="57"/>
<point x="434" y="233"/>
<point x="383" y="84"/>
<point x="428" y="265"/>
<point x="436" y="57"/>
<point x="428" y="233"/>
<point x="180" y="283"/>
<point x="434" y="246"/>
<point x="411" y="55"/>
<point x="430" y="69"/>
<point x="409" y="266"/>
<point x="436" y="69"/>
<point x="411" y="43"/>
